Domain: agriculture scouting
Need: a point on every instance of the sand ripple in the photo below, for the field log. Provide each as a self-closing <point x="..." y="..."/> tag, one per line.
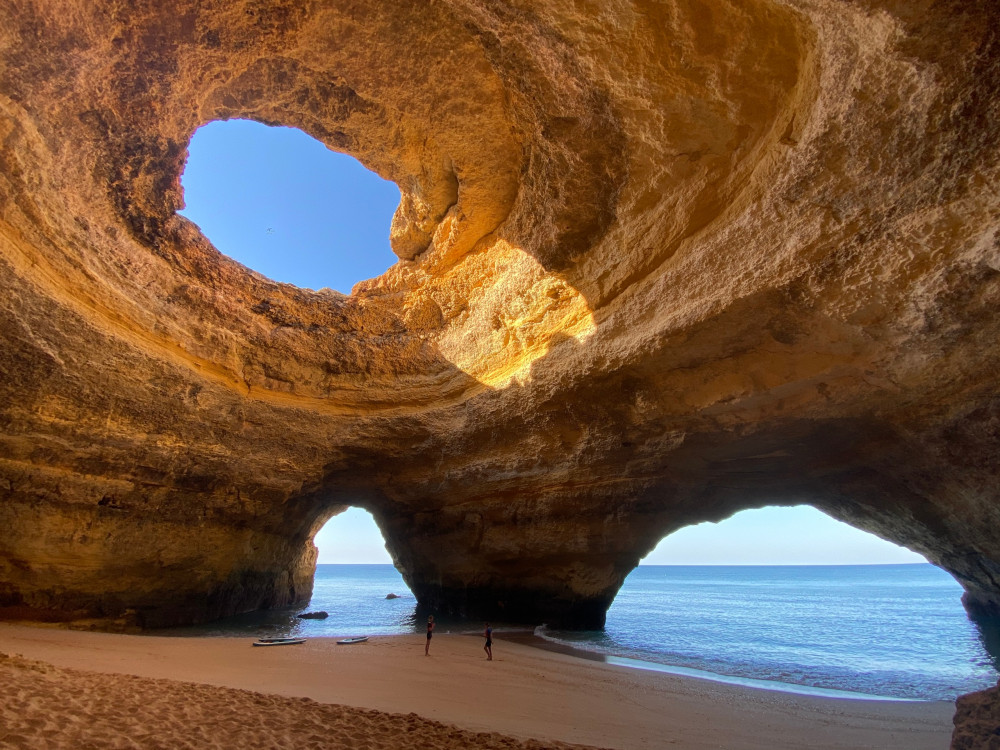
<point x="51" y="707"/>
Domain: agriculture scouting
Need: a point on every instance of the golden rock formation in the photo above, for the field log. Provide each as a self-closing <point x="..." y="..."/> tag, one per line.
<point x="659" y="262"/>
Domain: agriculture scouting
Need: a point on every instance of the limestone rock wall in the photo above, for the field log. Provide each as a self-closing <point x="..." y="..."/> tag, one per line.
<point x="659" y="262"/>
<point x="977" y="721"/>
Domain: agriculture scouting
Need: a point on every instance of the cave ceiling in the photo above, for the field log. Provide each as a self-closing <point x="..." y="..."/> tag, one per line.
<point x="658" y="262"/>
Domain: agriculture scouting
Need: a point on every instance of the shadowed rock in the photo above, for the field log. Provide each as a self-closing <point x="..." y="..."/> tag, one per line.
<point x="321" y="615"/>
<point x="977" y="721"/>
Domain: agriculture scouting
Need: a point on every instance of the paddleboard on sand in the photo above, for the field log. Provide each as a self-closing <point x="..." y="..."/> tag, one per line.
<point x="349" y="641"/>
<point x="278" y="641"/>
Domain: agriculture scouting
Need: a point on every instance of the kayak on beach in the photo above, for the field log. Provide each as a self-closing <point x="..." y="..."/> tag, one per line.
<point x="278" y="641"/>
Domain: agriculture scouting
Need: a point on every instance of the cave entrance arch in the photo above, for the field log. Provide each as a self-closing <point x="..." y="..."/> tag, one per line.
<point x="356" y="582"/>
<point x="777" y="535"/>
<point x="790" y="595"/>
<point x="281" y="203"/>
<point x="351" y="537"/>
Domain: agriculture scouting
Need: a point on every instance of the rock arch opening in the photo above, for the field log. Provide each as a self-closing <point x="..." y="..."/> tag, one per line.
<point x="351" y="537"/>
<point x="777" y="535"/>
<point x="794" y="598"/>
<point x="283" y="204"/>
<point x="356" y="587"/>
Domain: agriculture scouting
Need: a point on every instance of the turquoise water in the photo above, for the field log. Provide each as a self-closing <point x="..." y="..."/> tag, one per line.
<point x="888" y="630"/>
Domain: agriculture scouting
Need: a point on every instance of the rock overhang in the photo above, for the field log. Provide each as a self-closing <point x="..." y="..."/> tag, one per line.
<point x="658" y="262"/>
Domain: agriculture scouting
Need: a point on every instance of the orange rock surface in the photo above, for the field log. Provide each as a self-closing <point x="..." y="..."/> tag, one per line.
<point x="659" y="262"/>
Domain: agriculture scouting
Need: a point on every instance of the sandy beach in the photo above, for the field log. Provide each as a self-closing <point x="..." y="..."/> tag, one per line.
<point x="221" y="692"/>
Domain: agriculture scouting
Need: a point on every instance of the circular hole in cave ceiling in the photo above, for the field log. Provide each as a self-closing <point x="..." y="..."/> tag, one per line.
<point x="280" y="202"/>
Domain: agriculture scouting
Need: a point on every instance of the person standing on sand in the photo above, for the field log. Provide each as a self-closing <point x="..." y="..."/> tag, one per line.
<point x="430" y="629"/>
<point x="488" y="648"/>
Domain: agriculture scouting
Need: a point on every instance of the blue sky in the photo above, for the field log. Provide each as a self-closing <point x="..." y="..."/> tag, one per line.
<point x="768" y="536"/>
<point x="283" y="204"/>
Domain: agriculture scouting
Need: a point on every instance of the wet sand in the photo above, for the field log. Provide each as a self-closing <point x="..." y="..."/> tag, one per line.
<point x="222" y="692"/>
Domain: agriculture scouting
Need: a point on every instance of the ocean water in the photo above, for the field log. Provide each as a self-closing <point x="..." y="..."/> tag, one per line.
<point x="887" y="630"/>
<point x="895" y="631"/>
<point x="354" y="597"/>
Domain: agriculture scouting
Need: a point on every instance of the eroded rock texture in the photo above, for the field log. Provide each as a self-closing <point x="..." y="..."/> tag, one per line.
<point x="977" y="721"/>
<point x="659" y="262"/>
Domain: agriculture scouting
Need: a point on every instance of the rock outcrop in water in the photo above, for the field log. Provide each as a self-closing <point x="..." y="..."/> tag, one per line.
<point x="659" y="262"/>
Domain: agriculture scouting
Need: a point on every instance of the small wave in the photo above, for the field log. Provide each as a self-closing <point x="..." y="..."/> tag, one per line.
<point x="543" y="632"/>
<point x="656" y="665"/>
<point x="783" y="687"/>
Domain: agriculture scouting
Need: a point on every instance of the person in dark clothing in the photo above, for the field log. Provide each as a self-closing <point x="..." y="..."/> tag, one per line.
<point x="488" y="648"/>
<point x="430" y="630"/>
